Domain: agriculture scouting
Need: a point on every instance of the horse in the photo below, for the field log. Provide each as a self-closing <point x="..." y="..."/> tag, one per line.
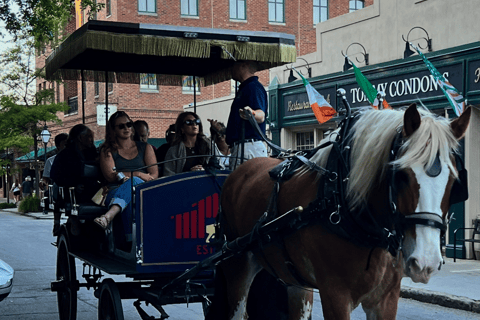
<point x="347" y="273"/>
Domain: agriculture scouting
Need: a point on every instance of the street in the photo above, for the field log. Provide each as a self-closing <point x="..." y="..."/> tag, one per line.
<point x="26" y="246"/>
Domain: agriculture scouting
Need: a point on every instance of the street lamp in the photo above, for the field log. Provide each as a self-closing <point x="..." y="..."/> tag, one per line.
<point x="45" y="134"/>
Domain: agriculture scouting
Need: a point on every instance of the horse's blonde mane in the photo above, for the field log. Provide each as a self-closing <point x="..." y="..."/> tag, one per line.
<point x="372" y="137"/>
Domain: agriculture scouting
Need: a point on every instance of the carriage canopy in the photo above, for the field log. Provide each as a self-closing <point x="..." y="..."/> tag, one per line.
<point x="171" y="52"/>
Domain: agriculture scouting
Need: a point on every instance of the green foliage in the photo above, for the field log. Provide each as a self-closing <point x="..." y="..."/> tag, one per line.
<point x="30" y="204"/>
<point x="7" y="205"/>
<point x="45" y="20"/>
<point x="22" y="109"/>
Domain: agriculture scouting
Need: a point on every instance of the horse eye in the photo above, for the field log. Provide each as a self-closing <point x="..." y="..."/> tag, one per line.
<point x="435" y="169"/>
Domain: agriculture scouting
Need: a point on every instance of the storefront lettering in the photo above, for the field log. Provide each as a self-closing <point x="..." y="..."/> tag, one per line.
<point x="295" y="106"/>
<point x="477" y="73"/>
<point x="411" y="86"/>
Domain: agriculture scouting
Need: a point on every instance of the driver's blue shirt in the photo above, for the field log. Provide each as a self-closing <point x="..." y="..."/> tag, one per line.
<point x="250" y="93"/>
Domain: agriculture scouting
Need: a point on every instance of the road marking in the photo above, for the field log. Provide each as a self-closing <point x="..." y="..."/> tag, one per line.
<point x="465" y="270"/>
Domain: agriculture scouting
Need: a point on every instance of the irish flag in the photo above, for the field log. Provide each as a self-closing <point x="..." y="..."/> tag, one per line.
<point x="322" y="110"/>
<point x="454" y="97"/>
<point x="368" y="89"/>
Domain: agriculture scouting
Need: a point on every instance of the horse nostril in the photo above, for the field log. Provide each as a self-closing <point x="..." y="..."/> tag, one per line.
<point x="429" y="270"/>
<point x="413" y="264"/>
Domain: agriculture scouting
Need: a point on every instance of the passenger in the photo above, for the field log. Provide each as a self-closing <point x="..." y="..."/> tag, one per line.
<point x="60" y="143"/>
<point x="162" y="150"/>
<point x="142" y="132"/>
<point x="221" y="146"/>
<point x="189" y="141"/>
<point x="69" y="165"/>
<point x="118" y="156"/>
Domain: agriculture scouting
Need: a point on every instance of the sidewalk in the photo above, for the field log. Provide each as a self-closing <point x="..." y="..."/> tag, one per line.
<point x="455" y="286"/>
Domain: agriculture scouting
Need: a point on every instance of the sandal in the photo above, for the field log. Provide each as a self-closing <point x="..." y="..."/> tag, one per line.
<point x="102" y="221"/>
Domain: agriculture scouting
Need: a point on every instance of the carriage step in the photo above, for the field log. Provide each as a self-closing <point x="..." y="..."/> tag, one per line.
<point x="145" y="316"/>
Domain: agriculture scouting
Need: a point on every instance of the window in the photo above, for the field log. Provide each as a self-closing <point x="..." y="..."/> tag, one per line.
<point x="237" y="9"/>
<point x="355" y="5"/>
<point x="72" y="105"/>
<point x="320" y="11"/>
<point x="305" y="140"/>
<point x="147" y="6"/>
<point x="96" y="87"/>
<point x="109" y="7"/>
<point x="148" y="81"/>
<point x="189" y="7"/>
<point x="84" y="90"/>
<point x="233" y="86"/>
<point x="275" y="11"/>
<point x="110" y="87"/>
<point x="187" y="86"/>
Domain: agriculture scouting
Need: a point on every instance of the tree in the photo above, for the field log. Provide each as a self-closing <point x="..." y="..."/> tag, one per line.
<point x="44" y="20"/>
<point x="22" y="108"/>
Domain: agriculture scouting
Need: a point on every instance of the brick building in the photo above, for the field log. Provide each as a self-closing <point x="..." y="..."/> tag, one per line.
<point x="159" y="105"/>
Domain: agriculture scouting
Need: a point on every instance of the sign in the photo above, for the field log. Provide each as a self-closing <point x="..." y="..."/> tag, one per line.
<point x="408" y="87"/>
<point x="473" y="80"/>
<point x="298" y="104"/>
<point x="102" y="111"/>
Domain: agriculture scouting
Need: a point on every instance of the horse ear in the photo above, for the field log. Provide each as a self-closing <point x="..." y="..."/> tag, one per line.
<point x="459" y="126"/>
<point x="411" y="120"/>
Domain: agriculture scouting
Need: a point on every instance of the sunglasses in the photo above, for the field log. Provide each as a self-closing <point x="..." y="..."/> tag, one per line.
<point x="193" y="122"/>
<point x="122" y="126"/>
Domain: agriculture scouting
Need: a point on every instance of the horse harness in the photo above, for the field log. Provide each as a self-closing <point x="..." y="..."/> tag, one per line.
<point x="331" y="211"/>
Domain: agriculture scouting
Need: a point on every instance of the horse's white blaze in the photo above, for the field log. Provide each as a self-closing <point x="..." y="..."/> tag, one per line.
<point x="239" y="313"/>
<point x="427" y="245"/>
<point x="306" y="311"/>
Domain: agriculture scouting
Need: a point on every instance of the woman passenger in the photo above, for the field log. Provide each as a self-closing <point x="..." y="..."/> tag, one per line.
<point x="189" y="141"/>
<point x="119" y="155"/>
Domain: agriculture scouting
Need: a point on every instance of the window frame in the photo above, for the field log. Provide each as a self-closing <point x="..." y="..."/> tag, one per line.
<point x="149" y="87"/>
<point x="188" y="89"/>
<point x="237" y="5"/>
<point x="276" y="2"/>
<point x="188" y="8"/>
<point x="146" y="7"/>
<point x="355" y="5"/>
<point x="108" y="5"/>
<point x="304" y="146"/>
<point x="319" y="8"/>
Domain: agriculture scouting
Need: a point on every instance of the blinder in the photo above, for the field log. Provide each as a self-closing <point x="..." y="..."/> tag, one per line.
<point x="459" y="192"/>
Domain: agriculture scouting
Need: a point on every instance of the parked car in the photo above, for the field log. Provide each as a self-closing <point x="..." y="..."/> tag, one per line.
<point x="6" y="279"/>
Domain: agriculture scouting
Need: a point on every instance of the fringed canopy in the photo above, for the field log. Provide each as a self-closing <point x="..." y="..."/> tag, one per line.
<point x="171" y="52"/>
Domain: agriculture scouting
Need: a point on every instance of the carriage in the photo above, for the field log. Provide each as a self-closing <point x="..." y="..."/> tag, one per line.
<point x="350" y="217"/>
<point x="173" y="217"/>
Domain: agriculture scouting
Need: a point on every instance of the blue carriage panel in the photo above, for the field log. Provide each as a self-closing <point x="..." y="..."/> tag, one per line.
<point x="175" y="220"/>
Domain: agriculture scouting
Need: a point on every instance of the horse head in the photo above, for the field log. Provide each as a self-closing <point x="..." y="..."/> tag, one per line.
<point x="425" y="172"/>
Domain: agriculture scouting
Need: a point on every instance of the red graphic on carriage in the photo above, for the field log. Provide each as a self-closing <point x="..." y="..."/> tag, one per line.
<point x="191" y="225"/>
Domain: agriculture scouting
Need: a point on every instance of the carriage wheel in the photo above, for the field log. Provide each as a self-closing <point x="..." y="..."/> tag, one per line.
<point x="109" y="303"/>
<point x="66" y="272"/>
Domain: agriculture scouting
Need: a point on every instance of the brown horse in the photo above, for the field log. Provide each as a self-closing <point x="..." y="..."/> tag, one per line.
<point x="347" y="274"/>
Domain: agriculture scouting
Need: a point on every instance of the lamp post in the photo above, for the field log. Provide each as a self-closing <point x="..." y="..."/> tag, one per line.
<point x="45" y="134"/>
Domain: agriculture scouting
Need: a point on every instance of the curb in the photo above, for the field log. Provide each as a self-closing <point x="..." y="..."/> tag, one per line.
<point x="442" y="299"/>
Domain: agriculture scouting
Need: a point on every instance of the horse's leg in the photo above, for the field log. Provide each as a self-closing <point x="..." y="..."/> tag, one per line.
<point x="386" y="308"/>
<point x="300" y="303"/>
<point x="336" y="304"/>
<point x="239" y="273"/>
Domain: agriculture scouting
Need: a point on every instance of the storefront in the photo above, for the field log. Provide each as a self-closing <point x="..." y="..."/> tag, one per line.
<point x="404" y="81"/>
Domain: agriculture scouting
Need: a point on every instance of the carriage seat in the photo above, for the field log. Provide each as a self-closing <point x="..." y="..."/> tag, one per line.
<point x="70" y="201"/>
